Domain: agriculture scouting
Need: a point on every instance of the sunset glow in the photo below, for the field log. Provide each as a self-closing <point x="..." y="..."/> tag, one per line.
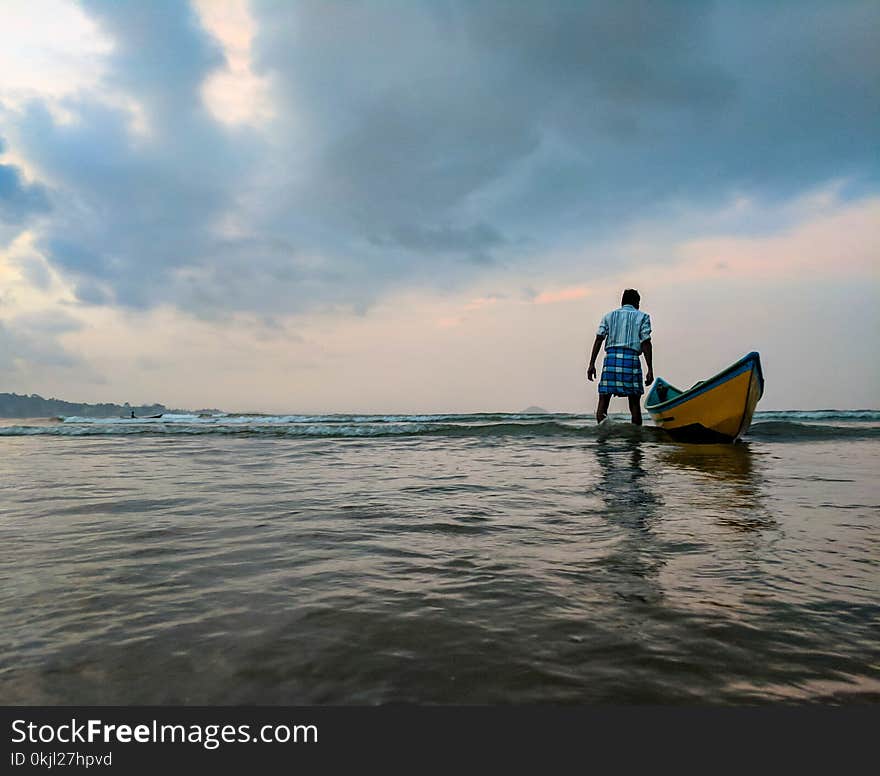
<point x="344" y="206"/>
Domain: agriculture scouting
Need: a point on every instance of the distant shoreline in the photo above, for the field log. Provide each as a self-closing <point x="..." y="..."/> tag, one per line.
<point x="34" y="407"/>
<point x="13" y="405"/>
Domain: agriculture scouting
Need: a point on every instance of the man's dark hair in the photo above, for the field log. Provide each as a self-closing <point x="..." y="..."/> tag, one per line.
<point x="631" y="296"/>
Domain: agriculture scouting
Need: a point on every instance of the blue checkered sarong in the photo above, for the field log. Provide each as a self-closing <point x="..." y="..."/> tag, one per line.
<point x="621" y="373"/>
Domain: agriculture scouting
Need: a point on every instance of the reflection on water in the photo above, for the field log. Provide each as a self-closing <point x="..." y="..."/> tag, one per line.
<point x="437" y="570"/>
<point x="730" y="476"/>
<point x="631" y="506"/>
<point x="622" y="483"/>
<point x="734" y="463"/>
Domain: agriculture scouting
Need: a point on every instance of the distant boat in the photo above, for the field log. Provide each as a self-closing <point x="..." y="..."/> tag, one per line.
<point x="142" y="417"/>
<point x="719" y="409"/>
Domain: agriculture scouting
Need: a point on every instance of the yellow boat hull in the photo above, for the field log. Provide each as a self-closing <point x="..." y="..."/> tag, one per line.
<point x="719" y="409"/>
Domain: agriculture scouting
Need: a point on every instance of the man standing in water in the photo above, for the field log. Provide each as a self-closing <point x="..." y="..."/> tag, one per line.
<point x="627" y="334"/>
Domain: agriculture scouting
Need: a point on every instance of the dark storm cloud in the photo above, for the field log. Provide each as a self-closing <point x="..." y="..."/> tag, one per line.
<point x="419" y="142"/>
<point x="546" y="113"/>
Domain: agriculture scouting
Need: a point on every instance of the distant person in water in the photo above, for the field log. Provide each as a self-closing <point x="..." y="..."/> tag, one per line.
<point x="626" y="332"/>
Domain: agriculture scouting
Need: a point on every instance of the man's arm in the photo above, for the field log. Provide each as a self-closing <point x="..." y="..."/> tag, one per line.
<point x="648" y="350"/>
<point x="597" y="344"/>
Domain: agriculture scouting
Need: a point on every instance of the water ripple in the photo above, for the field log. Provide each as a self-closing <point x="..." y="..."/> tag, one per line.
<point x="437" y="570"/>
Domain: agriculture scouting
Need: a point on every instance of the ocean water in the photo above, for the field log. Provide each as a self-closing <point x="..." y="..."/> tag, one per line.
<point x="437" y="559"/>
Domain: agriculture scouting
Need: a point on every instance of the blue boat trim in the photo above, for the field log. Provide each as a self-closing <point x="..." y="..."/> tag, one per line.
<point x="745" y="364"/>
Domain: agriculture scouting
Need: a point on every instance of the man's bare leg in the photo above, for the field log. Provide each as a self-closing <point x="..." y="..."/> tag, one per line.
<point x="602" y="409"/>
<point x="635" y="409"/>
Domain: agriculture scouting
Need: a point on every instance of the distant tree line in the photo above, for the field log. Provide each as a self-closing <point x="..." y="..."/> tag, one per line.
<point x="14" y="406"/>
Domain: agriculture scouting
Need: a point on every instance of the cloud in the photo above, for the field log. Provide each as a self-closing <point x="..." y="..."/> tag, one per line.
<point x="19" y="201"/>
<point x="474" y="243"/>
<point x="49" y="48"/>
<point x="562" y="295"/>
<point x="234" y="95"/>
<point x="51" y="322"/>
<point x="425" y="144"/>
<point x="842" y="243"/>
<point x="161" y="55"/>
<point x="35" y="272"/>
<point x="32" y="343"/>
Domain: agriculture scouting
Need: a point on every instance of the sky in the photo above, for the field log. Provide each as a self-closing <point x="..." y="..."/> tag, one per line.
<point x="428" y="205"/>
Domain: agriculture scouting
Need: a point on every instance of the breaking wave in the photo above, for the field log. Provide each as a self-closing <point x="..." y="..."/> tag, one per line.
<point x="769" y="426"/>
<point x="781" y="430"/>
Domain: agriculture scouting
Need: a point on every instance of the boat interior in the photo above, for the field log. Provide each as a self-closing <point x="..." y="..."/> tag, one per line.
<point x="665" y="391"/>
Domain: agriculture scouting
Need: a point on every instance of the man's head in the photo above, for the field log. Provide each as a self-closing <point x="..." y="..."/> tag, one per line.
<point x="631" y="296"/>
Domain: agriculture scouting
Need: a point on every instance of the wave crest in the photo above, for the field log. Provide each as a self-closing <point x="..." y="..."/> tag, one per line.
<point x="474" y="426"/>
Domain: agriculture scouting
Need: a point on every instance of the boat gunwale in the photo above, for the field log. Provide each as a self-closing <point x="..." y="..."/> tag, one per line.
<point x="752" y="359"/>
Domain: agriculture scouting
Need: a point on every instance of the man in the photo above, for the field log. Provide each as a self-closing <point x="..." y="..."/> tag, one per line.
<point x="627" y="334"/>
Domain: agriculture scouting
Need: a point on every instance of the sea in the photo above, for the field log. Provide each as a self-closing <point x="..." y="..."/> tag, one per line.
<point x="438" y="559"/>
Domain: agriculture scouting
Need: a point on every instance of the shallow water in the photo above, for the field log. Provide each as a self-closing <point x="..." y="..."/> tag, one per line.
<point x="154" y="566"/>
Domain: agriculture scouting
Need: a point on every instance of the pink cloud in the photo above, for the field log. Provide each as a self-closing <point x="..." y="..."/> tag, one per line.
<point x="562" y="295"/>
<point x="484" y="301"/>
<point x="845" y="242"/>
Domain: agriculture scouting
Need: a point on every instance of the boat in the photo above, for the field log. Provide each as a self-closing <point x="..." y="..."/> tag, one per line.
<point x="719" y="409"/>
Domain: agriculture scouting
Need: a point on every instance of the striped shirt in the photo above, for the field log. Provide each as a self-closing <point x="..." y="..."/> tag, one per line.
<point x="625" y="327"/>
